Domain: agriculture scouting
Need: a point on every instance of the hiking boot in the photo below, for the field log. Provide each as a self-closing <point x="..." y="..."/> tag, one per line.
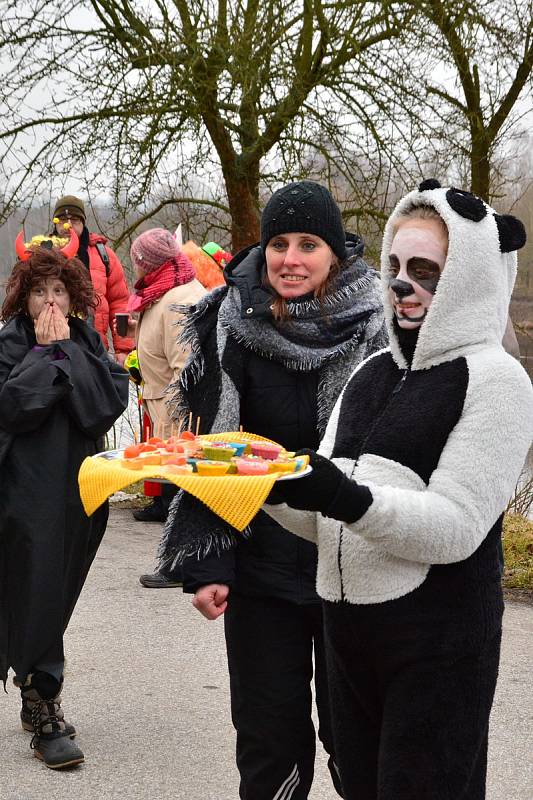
<point x="51" y="742"/>
<point x="155" y="512"/>
<point x="56" y="750"/>
<point x="160" y="581"/>
<point x="27" y="710"/>
<point x="27" y="724"/>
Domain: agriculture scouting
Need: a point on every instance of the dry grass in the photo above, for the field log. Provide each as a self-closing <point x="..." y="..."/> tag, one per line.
<point x="518" y="552"/>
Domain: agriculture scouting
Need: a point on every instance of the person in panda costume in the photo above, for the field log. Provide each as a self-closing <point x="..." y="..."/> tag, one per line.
<point x="406" y="501"/>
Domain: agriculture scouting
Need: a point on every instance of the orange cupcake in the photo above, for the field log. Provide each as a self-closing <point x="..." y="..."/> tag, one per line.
<point x="151" y="460"/>
<point x="178" y="469"/>
<point x="131" y="463"/>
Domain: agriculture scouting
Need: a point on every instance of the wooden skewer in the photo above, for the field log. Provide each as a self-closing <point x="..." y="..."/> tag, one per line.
<point x="240" y="429"/>
<point x="180" y="427"/>
<point x="197" y="425"/>
<point x="135" y="437"/>
<point x="189" y="426"/>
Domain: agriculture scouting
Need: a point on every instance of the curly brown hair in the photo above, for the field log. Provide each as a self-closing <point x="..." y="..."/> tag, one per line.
<point x="47" y="263"/>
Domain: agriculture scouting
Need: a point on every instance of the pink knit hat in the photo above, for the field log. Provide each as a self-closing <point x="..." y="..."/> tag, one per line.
<point x="151" y="249"/>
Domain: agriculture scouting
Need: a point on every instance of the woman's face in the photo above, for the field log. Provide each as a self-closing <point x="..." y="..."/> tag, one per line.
<point x="51" y="291"/>
<point x="139" y="272"/>
<point x="297" y="263"/>
<point x="416" y="260"/>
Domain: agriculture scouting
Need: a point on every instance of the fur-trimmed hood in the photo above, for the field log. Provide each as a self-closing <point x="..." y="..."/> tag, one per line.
<point x="470" y="307"/>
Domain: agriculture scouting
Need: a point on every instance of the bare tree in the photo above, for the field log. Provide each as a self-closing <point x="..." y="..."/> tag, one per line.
<point x="471" y="67"/>
<point x="190" y="87"/>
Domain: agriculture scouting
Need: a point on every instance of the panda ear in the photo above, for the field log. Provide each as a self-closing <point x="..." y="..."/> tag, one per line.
<point x="466" y="204"/>
<point x="429" y="183"/>
<point x="511" y="232"/>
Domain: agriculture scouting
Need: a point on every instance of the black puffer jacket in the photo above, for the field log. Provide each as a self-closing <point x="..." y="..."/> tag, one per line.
<point x="281" y="405"/>
<point x="274" y="400"/>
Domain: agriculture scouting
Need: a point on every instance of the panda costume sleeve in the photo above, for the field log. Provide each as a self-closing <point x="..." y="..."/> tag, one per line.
<point x="439" y="442"/>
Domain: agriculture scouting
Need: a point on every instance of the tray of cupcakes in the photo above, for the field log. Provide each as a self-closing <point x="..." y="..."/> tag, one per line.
<point x="215" y="455"/>
<point x="232" y="473"/>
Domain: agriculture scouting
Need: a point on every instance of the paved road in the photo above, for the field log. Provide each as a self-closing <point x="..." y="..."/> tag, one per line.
<point x="147" y="688"/>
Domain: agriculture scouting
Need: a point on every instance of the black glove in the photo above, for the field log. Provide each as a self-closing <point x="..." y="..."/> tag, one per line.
<point x="325" y="489"/>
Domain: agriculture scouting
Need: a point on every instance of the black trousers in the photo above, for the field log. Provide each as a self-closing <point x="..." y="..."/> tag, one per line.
<point x="270" y="646"/>
<point x="412" y="683"/>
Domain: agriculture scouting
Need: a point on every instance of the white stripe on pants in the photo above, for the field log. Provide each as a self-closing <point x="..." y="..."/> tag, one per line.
<point x="286" y="790"/>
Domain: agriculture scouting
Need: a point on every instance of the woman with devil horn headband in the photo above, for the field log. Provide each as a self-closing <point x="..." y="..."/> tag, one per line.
<point x="59" y="392"/>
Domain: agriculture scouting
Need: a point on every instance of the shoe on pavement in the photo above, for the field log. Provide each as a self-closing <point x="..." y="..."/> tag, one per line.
<point x="50" y="742"/>
<point x="160" y="581"/>
<point x="155" y="512"/>
<point x="56" y="750"/>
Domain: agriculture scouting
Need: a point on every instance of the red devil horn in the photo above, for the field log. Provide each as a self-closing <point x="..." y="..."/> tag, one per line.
<point x="71" y="247"/>
<point x="22" y="253"/>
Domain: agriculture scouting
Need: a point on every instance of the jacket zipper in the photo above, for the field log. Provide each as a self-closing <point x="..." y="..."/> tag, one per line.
<point x="397" y="388"/>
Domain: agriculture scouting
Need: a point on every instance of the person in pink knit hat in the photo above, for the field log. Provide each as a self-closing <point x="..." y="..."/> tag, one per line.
<point x="165" y="278"/>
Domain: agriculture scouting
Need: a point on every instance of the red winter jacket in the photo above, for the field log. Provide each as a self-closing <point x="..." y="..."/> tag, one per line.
<point x="112" y="293"/>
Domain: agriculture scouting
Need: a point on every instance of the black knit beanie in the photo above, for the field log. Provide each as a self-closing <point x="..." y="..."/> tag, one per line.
<point x="304" y="207"/>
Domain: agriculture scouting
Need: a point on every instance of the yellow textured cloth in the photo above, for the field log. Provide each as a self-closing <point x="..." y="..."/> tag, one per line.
<point x="235" y="498"/>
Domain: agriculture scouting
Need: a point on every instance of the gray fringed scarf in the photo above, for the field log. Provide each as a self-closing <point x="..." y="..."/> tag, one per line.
<point x="332" y="336"/>
<point x="326" y="335"/>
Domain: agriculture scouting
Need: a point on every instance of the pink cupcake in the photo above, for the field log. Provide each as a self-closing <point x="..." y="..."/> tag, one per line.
<point x="251" y="466"/>
<point x="266" y="450"/>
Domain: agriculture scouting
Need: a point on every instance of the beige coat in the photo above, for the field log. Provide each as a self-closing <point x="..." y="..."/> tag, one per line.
<point x="161" y="358"/>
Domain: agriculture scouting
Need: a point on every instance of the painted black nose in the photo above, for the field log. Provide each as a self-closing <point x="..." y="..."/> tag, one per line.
<point x="401" y="288"/>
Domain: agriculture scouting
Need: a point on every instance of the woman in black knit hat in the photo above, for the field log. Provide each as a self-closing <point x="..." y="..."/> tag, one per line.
<point x="272" y="350"/>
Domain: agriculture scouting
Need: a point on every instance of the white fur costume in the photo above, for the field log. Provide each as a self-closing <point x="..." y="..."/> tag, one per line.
<point x="420" y="517"/>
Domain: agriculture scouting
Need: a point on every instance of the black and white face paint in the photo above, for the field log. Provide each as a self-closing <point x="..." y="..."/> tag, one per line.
<point x="416" y="260"/>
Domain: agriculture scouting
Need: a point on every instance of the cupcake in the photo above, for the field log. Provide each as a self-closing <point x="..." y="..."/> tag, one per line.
<point x="251" y="466"/>
<point x="178" y="469"/>
<point x="212" y="468"/>
<point x="132" y="463"/>
<point x="282" y="466"/>
<point x="266" y="450"/>
<point x="174" y="458"/>
<point x="301" y="462"/>
<point x="150" y="459"/>
<point x="239" y="448"/>
<point x="214" y="452"/>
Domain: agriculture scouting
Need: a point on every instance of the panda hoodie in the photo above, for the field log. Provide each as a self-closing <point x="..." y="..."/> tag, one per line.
<point x="439" y="438"/>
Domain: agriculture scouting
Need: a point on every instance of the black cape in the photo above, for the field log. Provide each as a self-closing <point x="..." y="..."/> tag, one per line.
<point x="52" y="412"/>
